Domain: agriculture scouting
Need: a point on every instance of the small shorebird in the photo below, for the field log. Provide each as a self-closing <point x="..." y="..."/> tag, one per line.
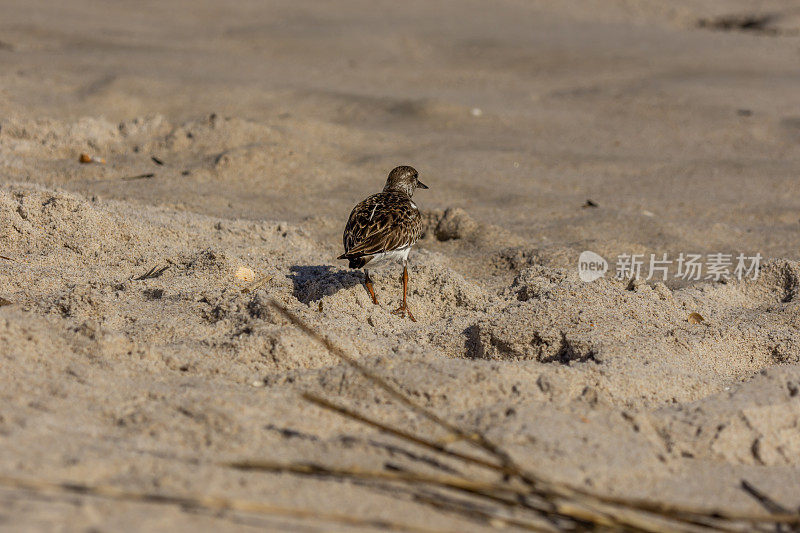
<point x="383" y="228"/>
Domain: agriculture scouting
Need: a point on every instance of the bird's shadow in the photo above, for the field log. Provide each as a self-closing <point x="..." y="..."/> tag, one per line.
<point x="312" y="282"/>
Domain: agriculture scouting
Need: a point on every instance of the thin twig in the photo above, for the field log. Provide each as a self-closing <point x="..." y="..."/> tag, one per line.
<point x="152" y="273"/>
<point x="208" y="503"/>
<point x="497" y="493"/>
<point x="769" y="504"/>
<point x="475" y="438"/>
<point x="546" y="505"/>
<point x="312" y="469"/>
<point x="257" y="283"/>
<point x="490" y="518"/>
<point x="572" y="502"/>
<point x="522" y="495"/>
<point x="421" y="441"/>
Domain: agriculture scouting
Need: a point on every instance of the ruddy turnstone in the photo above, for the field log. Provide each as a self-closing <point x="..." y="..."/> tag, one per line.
<point x="383" y="228"/>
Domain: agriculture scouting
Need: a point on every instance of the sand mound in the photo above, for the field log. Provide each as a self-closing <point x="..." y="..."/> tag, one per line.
<point x="133" y="275"/>
<point x="611" y="328"/>
<point x="35" y="221"/>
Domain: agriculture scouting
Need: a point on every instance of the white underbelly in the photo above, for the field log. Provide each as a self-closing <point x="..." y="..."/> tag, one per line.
<point x="388" y="258"/>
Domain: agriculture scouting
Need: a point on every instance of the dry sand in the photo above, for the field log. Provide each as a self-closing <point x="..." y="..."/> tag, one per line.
<point x="271" y="120"/>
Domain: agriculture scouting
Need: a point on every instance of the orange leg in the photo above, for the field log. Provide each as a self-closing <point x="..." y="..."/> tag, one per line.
<point x="368" y="283"/>
<point x="403" y="309"/>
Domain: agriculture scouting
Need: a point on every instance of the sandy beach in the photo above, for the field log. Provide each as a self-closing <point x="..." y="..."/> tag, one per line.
<point x="143" y="350"/>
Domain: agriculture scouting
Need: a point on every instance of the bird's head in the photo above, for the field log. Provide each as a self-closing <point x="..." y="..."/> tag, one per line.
<point x="404" y="179"/>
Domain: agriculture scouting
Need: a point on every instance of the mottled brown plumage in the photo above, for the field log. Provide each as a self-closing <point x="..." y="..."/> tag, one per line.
<point x="384" y="227"/>
<point x="383" y="222"/>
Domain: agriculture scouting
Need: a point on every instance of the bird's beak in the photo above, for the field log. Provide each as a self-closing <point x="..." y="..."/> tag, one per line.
<point x="421" y="185"/>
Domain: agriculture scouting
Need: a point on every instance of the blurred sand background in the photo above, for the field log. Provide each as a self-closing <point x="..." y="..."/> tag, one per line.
<point x="680" y="120"/>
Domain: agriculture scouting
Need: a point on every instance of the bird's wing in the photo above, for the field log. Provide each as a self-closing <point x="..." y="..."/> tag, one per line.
<point x="384" y="221"/>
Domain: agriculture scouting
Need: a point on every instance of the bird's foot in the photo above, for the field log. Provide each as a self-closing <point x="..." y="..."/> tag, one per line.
<point x="371" y="291"/>
<point x="402" y="311"/>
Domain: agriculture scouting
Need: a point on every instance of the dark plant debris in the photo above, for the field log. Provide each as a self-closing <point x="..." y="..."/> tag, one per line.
<point x="152" y="273"/>
<point x="156" y="160"/>
<point x="220" y="506"/>
<point x="748" y="23"/>
<point x="769" y="504"/>
<point x="535" y="500"/>
<point x="255" y="285"/>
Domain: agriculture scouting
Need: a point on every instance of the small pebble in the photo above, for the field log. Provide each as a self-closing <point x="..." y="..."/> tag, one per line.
<point x="696" y="318"/>
<point x="245" y="274"/>
<point x="86" y="158"/>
